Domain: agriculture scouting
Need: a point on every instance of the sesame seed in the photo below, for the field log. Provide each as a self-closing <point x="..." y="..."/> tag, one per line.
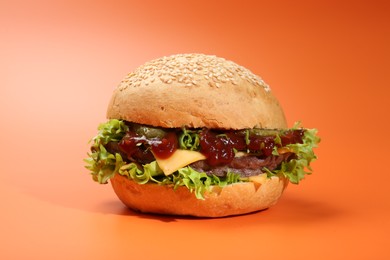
<point x="187" y="69"/>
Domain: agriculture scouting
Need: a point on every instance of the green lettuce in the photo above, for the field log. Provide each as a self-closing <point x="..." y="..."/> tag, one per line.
<point x="296" y="169"/>
<point x="189" y="139"/>
<point x="199" y="182"/>
<point x="143" y="175"/>
<point x="103" y="164"/>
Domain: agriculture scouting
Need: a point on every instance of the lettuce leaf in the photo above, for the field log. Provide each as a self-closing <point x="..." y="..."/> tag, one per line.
<point x="296" y="169"/>
<point x="189" y="139"/>
<point x="102" y="164"/>
<point x="200" y="182"/>
<point x="143" y="175"/>
<point x="197" y="182"/>
<point x="112" y="130"/>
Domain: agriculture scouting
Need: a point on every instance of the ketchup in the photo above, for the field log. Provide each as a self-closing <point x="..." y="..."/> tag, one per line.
<point x="265" y="144"/>
<point x="166" y="147"/>
<point x="292" y="137"/>
<point x="218" y="147"/>
<point x="130" y="144"/>
<point x="140" y="148"/>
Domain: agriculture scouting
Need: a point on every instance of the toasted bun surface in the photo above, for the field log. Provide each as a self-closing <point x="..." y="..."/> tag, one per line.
<point x="195" y="90"/>
<point x="234" y="199"/>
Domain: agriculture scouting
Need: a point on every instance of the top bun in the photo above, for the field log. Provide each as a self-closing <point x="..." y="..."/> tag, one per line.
<point x="195" y="90"/>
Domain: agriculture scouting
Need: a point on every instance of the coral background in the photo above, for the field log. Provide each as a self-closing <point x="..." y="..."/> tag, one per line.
<point x="326" y="61"/>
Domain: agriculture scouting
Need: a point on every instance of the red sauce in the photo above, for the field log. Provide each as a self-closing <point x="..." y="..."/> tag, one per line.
<point x="128" y="144"/>
<point x="263" y="144"/>
<point x="292" y="137"/>
<point x="140" y="147"/>
<point x="166" y="147"/>
<point x="237" y="140"/>
<point x="218" y="147"/>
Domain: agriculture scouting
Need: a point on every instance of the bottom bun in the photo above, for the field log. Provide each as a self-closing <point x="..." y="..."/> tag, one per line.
<point x="233" y="199"/>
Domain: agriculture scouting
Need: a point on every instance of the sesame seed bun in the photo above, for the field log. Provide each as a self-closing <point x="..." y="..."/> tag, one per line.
<point x="195" y="90"/>
<point x="233" y="199"/>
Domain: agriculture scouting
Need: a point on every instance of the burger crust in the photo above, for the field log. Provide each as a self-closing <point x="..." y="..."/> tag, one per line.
<point x="195" y="90"/>
<point x="233" y="199"/>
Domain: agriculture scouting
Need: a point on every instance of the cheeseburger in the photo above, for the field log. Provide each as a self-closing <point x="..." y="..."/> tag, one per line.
<point x="198" y="135"/>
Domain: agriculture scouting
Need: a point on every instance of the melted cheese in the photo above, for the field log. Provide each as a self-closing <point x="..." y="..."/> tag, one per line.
<point x="258" y="180"/>
<point x="179" y="159"/>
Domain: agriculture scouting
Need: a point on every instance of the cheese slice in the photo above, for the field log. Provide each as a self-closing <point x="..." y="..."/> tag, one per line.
<point x="179" y="159"/>
<point x="258" y="180"/>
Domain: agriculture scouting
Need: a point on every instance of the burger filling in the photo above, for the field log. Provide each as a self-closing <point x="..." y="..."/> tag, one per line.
<point x="199" y="158"/>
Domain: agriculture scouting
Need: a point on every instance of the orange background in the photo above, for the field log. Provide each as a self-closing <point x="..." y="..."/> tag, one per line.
<point x="326" y="61"/>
